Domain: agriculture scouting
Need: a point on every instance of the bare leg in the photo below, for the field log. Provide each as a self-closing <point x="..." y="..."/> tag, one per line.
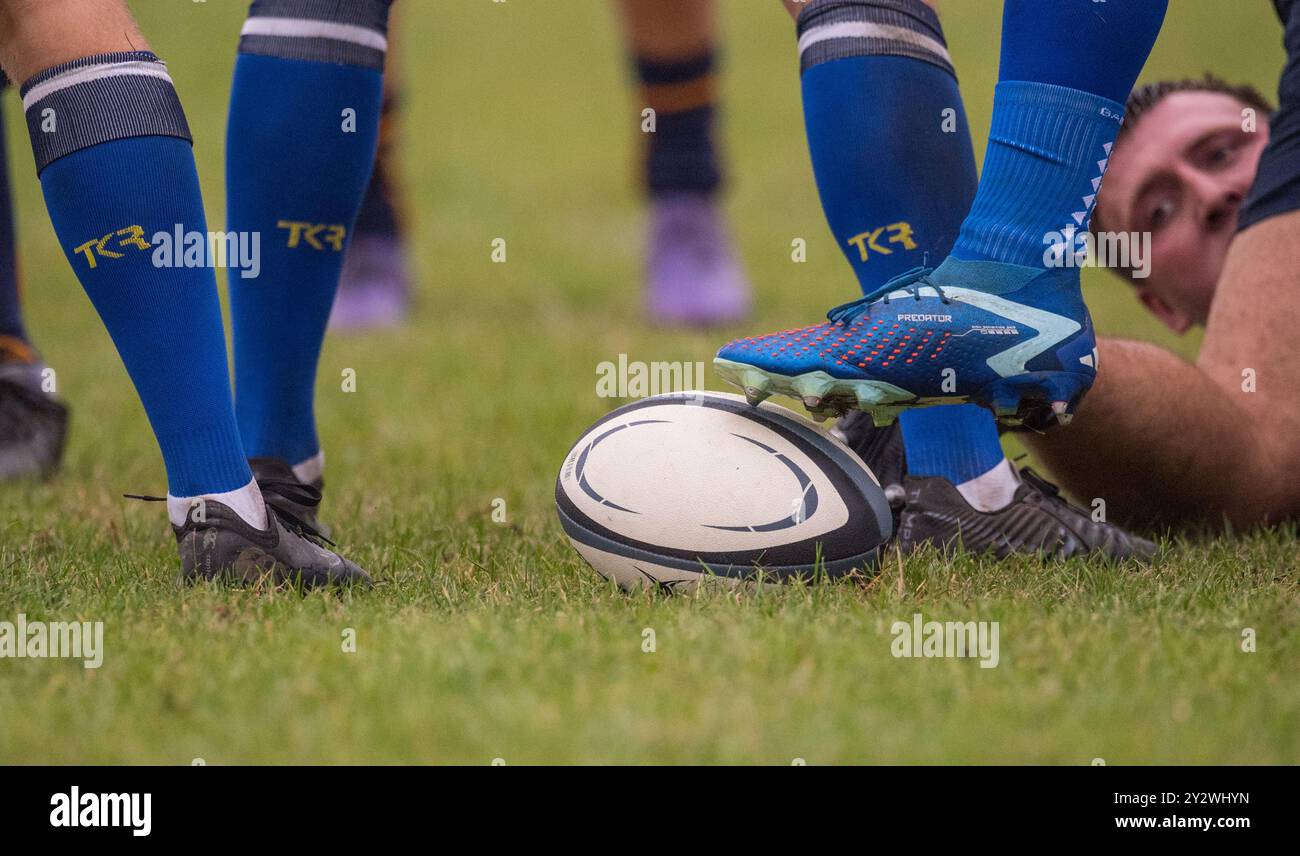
<point x="667" y="30"/>
<point x="1167" y="442"/>
<point x="38" y="34"/>
<point x="165" y="321"/>
<point x="693" y="276"/>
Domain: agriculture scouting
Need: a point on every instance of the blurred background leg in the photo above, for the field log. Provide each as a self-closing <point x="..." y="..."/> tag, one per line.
<point x="693" y="277"/>
<point x="375" y="287"/>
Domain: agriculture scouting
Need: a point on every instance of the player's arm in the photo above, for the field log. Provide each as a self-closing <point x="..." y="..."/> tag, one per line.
<point x="1163" y="444"/>
<point x="1164" y="440"/>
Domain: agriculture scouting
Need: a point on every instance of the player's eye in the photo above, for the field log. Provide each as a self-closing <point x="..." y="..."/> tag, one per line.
<point x="1221" y="155"/>
<point x="1161" y="214"/>
<point x="1219" y="152"/>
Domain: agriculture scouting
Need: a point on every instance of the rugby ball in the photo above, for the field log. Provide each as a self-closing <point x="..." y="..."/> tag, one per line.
<point x="669" y="490"/>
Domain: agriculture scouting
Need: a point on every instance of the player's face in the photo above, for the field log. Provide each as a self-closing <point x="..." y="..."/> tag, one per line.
<point x="1181" y="174"/>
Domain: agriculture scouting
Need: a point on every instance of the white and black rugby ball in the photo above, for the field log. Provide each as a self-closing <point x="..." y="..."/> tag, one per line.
<point x="674" y="488"/>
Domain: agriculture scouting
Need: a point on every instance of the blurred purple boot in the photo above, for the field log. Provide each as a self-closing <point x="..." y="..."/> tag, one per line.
<point x="374" y="289"/>
<point x="693" y="276"/>
<point x="375" y="285"/>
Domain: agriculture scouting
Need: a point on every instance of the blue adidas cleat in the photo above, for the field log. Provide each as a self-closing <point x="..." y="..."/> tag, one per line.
<point x="1017" y="340"/>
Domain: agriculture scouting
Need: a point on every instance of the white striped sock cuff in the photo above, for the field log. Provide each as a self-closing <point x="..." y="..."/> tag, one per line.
<point x="354" y="33"/>
<point x="835" y="29"/>
<point x="97" y="99"/>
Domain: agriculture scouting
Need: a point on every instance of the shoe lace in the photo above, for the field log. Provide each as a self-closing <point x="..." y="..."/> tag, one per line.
<point x="279" y="495"/>
<point x="1051" y="493"/>
<point x="911" y="282"/>
<point x="1042" y="484"/>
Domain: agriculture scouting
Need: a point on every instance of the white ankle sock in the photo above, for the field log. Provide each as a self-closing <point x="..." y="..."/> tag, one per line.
<point x="992" y="490"/>
<point x="310" y="470"/>
<point x="245" y="501"/>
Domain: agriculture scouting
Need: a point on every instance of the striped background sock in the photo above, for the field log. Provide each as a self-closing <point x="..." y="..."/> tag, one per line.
<point x="680" y="155"/>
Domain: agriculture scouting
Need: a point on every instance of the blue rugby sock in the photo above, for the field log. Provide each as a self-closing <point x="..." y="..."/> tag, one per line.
<point x="301" y="141"/>
<point x="887" y="132"/>
<point x="1066" y="69"/>
<point x="115" y="162"/>
<point x="960" y="443"/>
<point x="892" y="155"/>
<point x="1093" y="47"/>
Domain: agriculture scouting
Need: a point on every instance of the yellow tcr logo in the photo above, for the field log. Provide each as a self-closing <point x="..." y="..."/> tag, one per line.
<point x="869" y="242"/>
<point x="333" y="234"/>
<point x="98" y="248"/>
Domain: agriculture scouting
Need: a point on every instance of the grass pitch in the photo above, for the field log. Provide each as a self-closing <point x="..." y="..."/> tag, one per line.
<point x="488" y="640"/>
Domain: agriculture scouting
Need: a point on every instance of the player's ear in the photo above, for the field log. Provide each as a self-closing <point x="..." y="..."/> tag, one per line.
<point x="1174" y="319"/>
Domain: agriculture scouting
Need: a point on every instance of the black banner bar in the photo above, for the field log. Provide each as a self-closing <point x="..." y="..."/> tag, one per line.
<point x="218" y="804"/>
